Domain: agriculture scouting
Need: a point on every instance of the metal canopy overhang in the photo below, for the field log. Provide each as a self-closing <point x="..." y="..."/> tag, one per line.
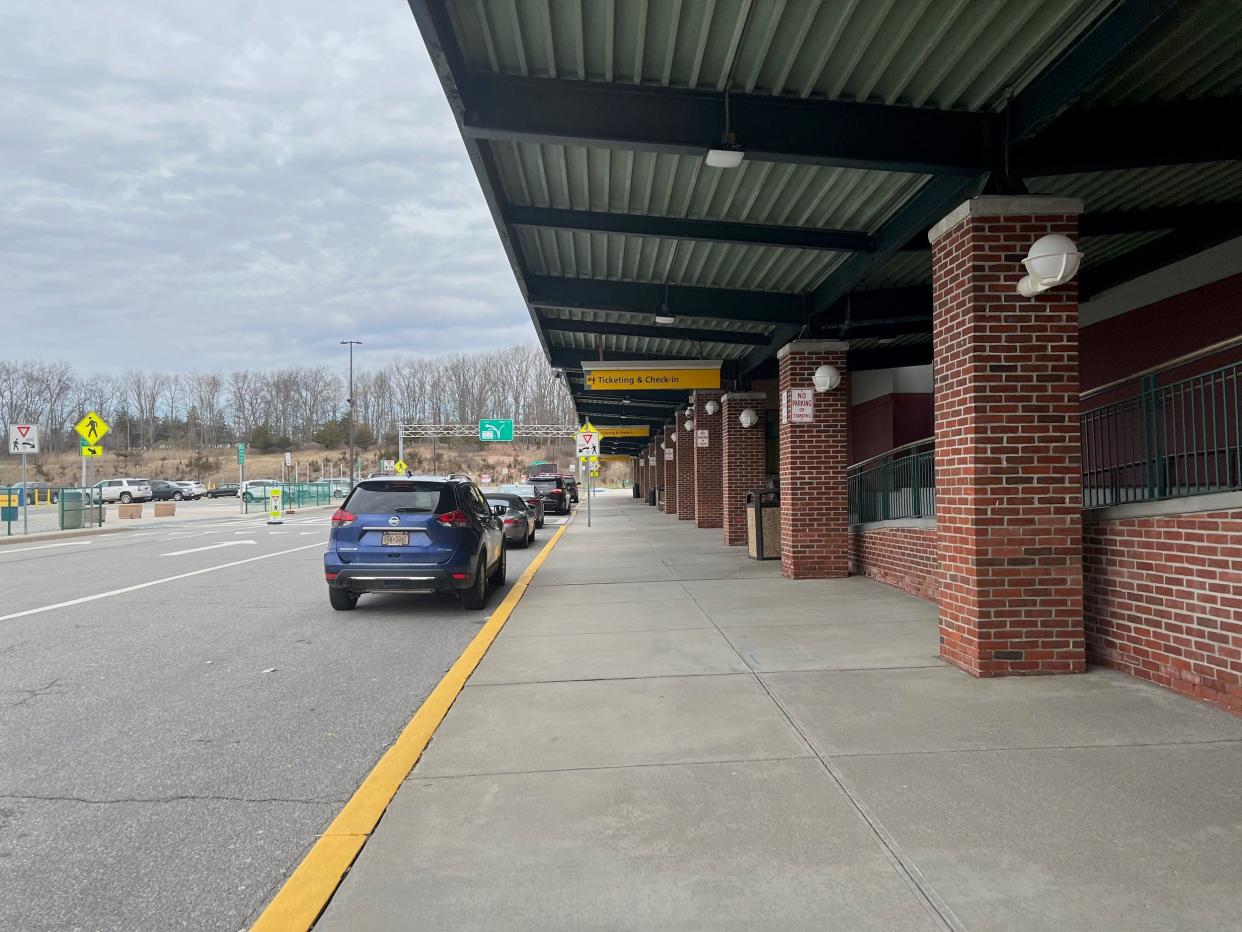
<point x="596" y="181"/>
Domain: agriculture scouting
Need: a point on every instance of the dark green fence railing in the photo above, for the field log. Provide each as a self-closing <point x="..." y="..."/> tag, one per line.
<point x="898" y="484"/>
<point x="1171" y="441"/>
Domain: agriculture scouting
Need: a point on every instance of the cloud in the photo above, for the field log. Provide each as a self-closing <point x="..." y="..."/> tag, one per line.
<point x="199" y="186"/>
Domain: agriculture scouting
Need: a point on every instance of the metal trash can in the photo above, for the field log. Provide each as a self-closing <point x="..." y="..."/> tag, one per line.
<point x="652" y="493"/>
<point x="763" y="524"/>
<point x="638" y="493"/>
<point x="73" y="506"/>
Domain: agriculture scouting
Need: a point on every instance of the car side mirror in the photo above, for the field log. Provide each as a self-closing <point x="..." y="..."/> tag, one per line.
<point x="499" y="510"/>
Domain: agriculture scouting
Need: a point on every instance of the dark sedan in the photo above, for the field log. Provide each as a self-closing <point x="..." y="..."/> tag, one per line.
<point x="518" y="519"/>
<point x="223" y="490"/>
<point x="529" y="494"/>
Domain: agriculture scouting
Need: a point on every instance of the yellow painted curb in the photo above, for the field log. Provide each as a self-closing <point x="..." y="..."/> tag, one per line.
<point x="299" y="902"/>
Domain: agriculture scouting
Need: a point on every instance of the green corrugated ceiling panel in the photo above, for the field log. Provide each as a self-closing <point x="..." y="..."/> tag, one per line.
<point x="575" y="177"/>
<point x="1196" y="55"/>
<point x="899" y="270"/>
<point x="1164" y="186"/>
<point x="1099" y="249"/>
<point x="678" y="262"/>
<point x="611" y="342"/>
<point x="943" y="53"/>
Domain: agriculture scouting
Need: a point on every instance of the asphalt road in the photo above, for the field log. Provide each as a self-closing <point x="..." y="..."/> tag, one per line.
<point x="173" y="738"/>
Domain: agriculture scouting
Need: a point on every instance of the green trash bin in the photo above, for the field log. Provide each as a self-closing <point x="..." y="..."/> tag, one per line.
<point x="73" y="505"/>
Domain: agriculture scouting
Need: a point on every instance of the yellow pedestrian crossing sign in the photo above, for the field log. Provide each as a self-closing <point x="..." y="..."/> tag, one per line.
<point x="89" y="449"/>
<point x="92" y="428"/>
<point x="400" y="466"/>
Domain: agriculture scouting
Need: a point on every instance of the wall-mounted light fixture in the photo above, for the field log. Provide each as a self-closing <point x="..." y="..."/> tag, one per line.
<point x="1052" y="260"/>
<point x="712" y="407"/>
<point x="826" y="378"/>
<point x="689" y="425"/>
<point x="748" y="417"/>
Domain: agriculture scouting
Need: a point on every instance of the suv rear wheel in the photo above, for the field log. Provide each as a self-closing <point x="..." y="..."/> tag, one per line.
<point x="342" y="599"/>
<point x="475" y="597"/>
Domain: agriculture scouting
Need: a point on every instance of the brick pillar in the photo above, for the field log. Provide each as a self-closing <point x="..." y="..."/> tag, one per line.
<point x="685" y="468"/>
<point x="707" y="444"/>
<point x="660" y="469"/>
<point x="815" y="532"/>
<point x="743" y="465"/>
<point x="640" y="464"/>
<point x="671" y="467"/>
<point x="1008" y="458"/>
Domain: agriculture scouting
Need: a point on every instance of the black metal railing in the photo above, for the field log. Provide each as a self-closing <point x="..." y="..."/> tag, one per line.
<point x="898" y="484"/>
<point x="1171" y="441"/>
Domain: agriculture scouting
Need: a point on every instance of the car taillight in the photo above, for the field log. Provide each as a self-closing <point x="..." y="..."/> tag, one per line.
<point x="510" y="521"/>
<point x="557" y="492"/>
<point x="341" y="517"/>
<point x="454" y="519"/>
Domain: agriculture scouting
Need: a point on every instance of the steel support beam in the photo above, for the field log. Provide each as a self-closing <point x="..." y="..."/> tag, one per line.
<point x="689" y="122"/>
<point x="754" y="234"/>
<point x="1170" y="248"/>
<point x="656" y="331"/>
<point x="1182" y="132"/>
<point x="765" y="307"/>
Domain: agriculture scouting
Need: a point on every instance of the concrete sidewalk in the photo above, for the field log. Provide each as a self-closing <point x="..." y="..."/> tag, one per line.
<point x="667" y="735"/>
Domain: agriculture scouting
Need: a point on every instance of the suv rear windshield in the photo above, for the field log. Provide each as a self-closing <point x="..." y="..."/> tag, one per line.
<point x="374" y="497"/>
<point x="542" y="485"/>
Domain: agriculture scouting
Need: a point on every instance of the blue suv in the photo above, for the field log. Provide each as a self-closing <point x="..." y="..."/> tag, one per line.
<point x="415" y="534"/>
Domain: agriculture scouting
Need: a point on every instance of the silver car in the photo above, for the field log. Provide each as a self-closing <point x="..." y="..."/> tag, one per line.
<point x="123" y="491"/>
<point x="518" y="519"/>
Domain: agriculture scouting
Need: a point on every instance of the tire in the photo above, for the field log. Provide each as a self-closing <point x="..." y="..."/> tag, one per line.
<point x="525" y="541"/>
<point x="177" y="496"/>
<point x="497" y="579"/>
<point x="247" y="498"/>
<point x="475" y="597"/>
<point x="539" y="523"/>
<point x="530" y="540"/>
<point x="342" y="599"/>
<point x="126" y="498"/>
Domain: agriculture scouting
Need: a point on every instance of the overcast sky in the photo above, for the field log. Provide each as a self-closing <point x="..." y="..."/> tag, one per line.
<point x="197" y="186"/>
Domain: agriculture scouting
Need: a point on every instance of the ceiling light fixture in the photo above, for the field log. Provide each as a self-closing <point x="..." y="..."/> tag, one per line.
<point x="728" y="154"/>
<point x="664" y="315"/>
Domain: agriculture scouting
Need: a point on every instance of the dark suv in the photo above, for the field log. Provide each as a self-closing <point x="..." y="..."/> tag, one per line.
<point x="552" y="493"/>
<point x="414" y="534"/>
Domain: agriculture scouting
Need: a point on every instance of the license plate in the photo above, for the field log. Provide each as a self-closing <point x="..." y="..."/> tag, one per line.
<point x="396" y="539"/>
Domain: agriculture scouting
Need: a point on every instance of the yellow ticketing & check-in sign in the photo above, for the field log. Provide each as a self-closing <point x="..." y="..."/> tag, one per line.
<point x="622" y="380"/>
<point x="624" y="430"/>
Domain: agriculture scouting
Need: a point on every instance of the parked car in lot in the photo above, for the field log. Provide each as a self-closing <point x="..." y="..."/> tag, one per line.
<point x="516" y="516"/>
<point x="338" y="488"/>
<point x="552" y="493"/>
<point x="194" y="490"/>
<point x="164" y="491"/>
<point x="224" y="490"/>
<point x="530" y="495"/>
<point x="256" y="490"/>
<point x="122" y="490"/>
<point x="414" y="534"/>
<point x="35" y="491"/>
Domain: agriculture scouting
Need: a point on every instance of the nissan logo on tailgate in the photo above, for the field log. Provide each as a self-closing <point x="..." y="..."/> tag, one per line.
<point x="394" y="521"/>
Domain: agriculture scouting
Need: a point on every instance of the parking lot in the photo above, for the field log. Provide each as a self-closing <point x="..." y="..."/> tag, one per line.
<point x="181" y="712"/>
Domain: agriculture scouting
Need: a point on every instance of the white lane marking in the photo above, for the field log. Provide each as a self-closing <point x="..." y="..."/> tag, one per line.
<point x="304" y="533"/>
<point x="278" y="532"/>
<point x="68" y="543"/>
<point x="153" y="582"/>
<point x="227" y="543"/>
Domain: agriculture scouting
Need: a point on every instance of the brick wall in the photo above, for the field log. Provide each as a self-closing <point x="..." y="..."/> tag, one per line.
<point x="1008" y="482"/>
<point x="708" y="465"/>
<point x="1163" y="601"/>
<point x="744" y="461"/>
<point x="904" y="557"/>
<point x="815" y="535"/>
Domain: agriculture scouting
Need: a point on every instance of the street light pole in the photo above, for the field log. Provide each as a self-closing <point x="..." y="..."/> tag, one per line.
<point x="352" y="459"/>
